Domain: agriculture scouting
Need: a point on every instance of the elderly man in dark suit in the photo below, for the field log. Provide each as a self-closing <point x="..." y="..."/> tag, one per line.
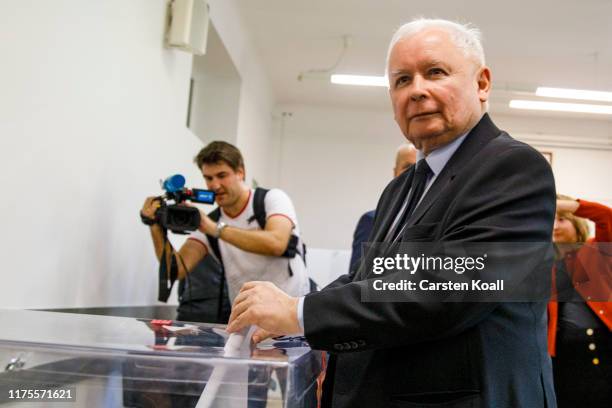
<point x="472" y="183"/>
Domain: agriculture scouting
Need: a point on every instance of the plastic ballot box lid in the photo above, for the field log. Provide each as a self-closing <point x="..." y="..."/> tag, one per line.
<point x="62" y="359"/>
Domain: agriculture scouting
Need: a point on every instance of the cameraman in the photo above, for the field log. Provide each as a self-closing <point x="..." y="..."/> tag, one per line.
<point x="247" y="251"/>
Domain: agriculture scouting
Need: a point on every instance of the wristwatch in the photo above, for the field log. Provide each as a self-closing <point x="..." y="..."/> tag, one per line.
<point x="220" y="226"/>
<point x="147" y="221"/>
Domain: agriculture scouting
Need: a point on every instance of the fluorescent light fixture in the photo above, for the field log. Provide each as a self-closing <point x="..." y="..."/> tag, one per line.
<point x="362" y="80"/>
<point x="574" y="94"/>
<point x="561" y="107"/>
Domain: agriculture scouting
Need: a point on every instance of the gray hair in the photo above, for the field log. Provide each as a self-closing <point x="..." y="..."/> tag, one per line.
<point x="465" y="36"/>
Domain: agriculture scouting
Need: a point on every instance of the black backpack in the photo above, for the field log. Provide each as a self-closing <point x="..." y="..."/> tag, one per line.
<point x="200" y="299"/>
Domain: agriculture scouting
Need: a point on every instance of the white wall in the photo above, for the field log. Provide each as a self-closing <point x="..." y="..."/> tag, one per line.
<point x="579" y="172"/>
<point x="335" y="163"/>
<point x="92" y="115"/>
<point x="255" y="135"/>
<point x="216" y="93"/>
<point x="215" y="101"/>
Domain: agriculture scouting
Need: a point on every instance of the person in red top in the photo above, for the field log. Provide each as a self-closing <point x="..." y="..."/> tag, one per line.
<point x="580" y="323"/>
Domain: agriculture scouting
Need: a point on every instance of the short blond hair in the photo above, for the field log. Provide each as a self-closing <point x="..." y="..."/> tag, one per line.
<point x="580" y="224"/>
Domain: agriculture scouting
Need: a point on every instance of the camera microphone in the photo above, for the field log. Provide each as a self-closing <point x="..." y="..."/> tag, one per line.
<point x="174" y="183"/>
<point x="176" y="217"/>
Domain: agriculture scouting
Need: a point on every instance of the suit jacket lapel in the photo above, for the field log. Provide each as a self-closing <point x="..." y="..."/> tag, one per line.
<point x="389" y="212"/>
<point x="479" y="136"/>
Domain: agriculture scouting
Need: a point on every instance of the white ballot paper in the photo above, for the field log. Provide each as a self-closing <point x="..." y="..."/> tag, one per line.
<point x="227" y="385"/>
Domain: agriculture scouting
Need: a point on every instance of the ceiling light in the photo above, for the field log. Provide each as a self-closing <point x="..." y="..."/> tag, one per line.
<point x="561" y="107"/>
<point x="574" y="94"/>
<point x="362" y="80"/>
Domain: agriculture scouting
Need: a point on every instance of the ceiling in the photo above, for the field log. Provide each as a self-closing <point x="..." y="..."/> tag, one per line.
<point x="562" y="43"/>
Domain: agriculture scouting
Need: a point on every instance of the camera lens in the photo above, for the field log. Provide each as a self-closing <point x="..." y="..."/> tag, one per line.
<point x="181" y="219"/>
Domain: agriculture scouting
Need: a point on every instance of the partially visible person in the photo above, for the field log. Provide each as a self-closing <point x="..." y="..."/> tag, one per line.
<point x="579" y="337"/>
<point x="405" y="157"/>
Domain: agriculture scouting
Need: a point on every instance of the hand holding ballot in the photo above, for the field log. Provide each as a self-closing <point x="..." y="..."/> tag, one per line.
<point x="264" y="305"/>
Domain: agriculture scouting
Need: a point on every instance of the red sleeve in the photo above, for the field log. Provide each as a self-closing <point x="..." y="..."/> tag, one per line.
<point x="601" y="215"/>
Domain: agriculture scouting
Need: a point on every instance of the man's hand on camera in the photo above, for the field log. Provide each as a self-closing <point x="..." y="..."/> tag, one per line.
<point x="149" y="208"/>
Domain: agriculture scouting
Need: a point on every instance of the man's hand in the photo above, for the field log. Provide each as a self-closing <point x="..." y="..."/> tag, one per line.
<point x="567" y="206"/>
<point x="207" y="226"/>
<point x="266" y="306"/>
<point x="261" y="335"/>
<point x="150" y="207"/>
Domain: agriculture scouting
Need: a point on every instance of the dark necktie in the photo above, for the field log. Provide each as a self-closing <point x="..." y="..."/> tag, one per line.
<point x="419" y="181"/>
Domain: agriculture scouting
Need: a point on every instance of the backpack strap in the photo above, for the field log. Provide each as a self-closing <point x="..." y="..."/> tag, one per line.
<point x="260" y="215"/>
<point x="214" y="241"/>
<point x="259" y="207"/>
<point x="167" y="273"/>
<point x="214" y="247"/>
<point x="215" y="214"/>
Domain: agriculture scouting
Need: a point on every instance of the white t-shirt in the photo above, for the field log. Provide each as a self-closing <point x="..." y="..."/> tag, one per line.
<point x="242" y="266"/>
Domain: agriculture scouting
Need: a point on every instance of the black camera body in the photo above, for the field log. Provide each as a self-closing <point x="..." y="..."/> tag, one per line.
<point x="178" y="218"/>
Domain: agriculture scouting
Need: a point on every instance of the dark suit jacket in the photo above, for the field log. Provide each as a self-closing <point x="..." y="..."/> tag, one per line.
<point x="361" y="235"/>
<point x="434" y="354"/>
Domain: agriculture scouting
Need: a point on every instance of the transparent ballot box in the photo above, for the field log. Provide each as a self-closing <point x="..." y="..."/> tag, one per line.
<point x="57" y="359"/>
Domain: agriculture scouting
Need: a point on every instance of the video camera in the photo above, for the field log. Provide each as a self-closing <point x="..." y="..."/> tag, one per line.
<point x="177" y="218"/>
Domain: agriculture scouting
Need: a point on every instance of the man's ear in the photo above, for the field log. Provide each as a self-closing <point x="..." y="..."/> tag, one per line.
<point x="241" y="173"/>
<point x="483" y="79"/>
